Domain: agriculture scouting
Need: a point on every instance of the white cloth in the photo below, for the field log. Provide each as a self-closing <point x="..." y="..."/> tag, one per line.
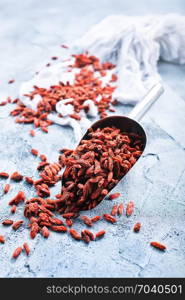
<point x="134" y="44"/>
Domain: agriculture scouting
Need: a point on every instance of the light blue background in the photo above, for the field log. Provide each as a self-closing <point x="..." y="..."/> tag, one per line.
<point x="30" y="33"/>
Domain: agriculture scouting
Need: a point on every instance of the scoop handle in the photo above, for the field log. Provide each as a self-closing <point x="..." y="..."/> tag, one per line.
<point x="143" y="106"/>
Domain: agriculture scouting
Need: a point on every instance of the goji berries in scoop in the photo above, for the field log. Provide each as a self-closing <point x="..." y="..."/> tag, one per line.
<point x="96" y="166"/>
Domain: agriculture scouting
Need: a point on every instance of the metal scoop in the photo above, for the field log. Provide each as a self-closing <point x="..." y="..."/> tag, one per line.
<point x="129" y="124"/>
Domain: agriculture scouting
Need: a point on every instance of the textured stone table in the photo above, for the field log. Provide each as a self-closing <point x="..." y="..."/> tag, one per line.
<point x="31" y="32"/>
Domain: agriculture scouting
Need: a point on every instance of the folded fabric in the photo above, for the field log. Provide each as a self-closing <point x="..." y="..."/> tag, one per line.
<point x="134" y="44"/>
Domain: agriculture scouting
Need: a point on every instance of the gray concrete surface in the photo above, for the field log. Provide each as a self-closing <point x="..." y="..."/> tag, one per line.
<point x="30" y="33"/>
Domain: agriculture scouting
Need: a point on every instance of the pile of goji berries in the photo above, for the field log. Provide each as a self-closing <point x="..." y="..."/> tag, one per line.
<point x="87" y="85"/>
<point x="92" y="170"/>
